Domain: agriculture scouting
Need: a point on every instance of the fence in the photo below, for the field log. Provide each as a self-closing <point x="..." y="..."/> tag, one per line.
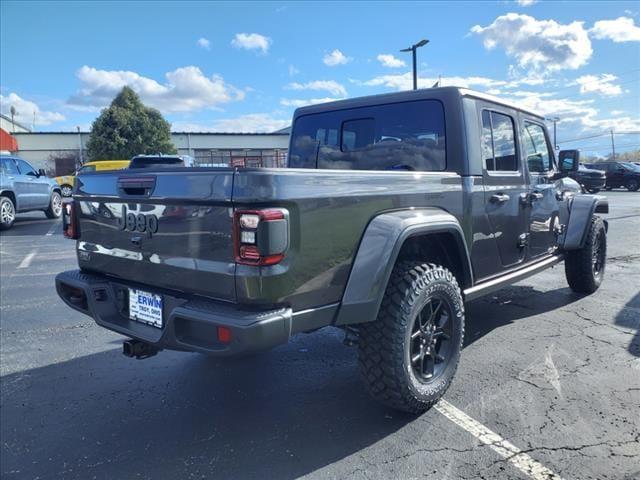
<point x="250" y="159"/>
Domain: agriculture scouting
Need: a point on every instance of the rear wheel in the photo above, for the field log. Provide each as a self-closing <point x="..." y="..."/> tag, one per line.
<point x="7" y="213"/>
<point x="55" y="206"/>
<point x="584" y="268"/>
<point x="409" y="354"/>
<point x="633" y="185"/>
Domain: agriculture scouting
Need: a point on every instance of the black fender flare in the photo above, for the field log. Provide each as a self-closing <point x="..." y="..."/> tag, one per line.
<point x="581" y="210"/>
<point x="378" y="252"/>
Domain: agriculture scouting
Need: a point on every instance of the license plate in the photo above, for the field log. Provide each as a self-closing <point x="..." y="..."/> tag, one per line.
<point x="145" y="307"/>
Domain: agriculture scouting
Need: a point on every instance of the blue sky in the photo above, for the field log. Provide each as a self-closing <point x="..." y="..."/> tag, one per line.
<point x="246" y="66"/>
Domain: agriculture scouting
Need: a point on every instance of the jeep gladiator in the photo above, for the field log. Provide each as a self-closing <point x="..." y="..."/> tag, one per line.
<point x="393" y="212"/>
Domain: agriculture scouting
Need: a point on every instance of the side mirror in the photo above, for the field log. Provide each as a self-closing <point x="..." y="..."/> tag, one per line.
<point x="569" y="160"/>
<point x="42" y="173"/>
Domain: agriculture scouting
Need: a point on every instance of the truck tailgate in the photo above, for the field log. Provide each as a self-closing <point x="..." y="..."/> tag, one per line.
<point x="170" y="229"/>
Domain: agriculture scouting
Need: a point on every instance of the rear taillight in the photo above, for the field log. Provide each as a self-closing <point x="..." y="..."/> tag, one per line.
<point x="70" y="220"/>
<point x="260" y="237"/>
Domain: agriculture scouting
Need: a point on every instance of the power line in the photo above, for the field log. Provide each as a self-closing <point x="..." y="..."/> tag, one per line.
<point x="598" y="135"/>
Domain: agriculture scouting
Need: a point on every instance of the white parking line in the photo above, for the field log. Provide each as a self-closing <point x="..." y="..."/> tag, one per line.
<point x="502" y="447"/>
<point x="52" y="229"/>
<point x="26" y="261"/>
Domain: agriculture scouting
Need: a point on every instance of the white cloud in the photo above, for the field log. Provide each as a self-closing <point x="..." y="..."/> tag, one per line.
<point x="389" y="61"/>
<point x="526" y="3"/>
<point x="186" y="89"/>
<point x="617" y="113"/>
<point x="294" y="102"/>
<point x="293" y="71"/>
<point x="540" y="45"/>
<point x="251" y="41"/>
<point x="602" y="84"/>
<point x="576" y="116"/>
<point x="405" y="82"/>
<point x="330" y="86"/>
<point x="25" y="110"/>
<point x="622" y="29"/>
<point x="250" y="123"/>
<point x="204" y="43"/>
<point x="336" y="58"/>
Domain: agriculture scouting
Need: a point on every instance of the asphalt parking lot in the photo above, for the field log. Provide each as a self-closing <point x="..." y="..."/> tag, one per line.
<point x="554" y="374"/>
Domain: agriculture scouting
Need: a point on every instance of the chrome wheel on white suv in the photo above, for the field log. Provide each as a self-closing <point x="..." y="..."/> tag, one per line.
<point x="55" y="207"/>
<point x="7" y="212"/>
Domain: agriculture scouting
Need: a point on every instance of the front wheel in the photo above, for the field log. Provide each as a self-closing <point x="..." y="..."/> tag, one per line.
<point x="7" y="213"/>
<point x="409" y="354"/>
<point x="584" y="268"/>
<point x="55" y="206"/>
<point x="67" y="190"/>
<point x="633" y="185"/>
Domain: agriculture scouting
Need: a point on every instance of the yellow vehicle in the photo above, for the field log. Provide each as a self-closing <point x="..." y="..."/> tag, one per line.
<point x="66" y="181"/>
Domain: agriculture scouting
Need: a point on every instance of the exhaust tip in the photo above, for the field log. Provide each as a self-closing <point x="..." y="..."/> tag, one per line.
<point x="138" y="349"/>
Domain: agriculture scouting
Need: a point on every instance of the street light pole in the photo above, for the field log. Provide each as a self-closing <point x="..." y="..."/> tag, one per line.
<point x="413" y="49"/>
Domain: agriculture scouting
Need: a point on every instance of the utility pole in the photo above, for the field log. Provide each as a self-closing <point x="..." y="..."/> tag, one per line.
<point x="613" y="147"/>
<point x="80" y="143"/>
<point x="555" y="143"/>
<point x="413" y="49"/>
<point x="13" y="123"/>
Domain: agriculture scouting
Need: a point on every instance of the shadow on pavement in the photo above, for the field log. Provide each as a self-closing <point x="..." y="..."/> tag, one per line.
<point x="628" y="317"/>
<point x="511" y="304"/>
<point x="280" y="414"/>
<point x="27" y="226"/>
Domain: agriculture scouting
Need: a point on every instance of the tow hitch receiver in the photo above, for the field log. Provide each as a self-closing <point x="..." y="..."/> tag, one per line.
<point x="138" y="349"/>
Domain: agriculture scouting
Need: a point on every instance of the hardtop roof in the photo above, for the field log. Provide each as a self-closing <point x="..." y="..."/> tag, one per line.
<point x="420" y="94"/>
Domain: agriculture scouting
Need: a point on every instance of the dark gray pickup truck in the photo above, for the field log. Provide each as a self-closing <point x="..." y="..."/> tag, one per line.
<point x="395" y="210"/>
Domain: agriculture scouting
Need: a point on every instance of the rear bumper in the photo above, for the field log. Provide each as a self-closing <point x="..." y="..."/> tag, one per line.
<point x="189" y="324"/>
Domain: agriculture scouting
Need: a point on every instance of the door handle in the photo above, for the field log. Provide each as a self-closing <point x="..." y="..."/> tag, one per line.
<point x="536" y="196"/>
<point x="499" y="198"/>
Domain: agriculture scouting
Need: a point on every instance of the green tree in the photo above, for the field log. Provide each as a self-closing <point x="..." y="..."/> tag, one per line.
<point x="128" y="128"/>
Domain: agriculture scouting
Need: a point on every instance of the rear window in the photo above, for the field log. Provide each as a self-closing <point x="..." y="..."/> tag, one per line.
<point x="399" y="136"/>
<point x="156" y="162"/>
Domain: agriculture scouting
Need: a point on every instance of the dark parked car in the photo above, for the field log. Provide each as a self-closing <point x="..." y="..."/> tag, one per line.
<point x="161" y="161"/>
<point x="395" y="211"/>
<point x="620" y="174"/>
<point x="25" y="189"/>
<point x="590" y="179"/>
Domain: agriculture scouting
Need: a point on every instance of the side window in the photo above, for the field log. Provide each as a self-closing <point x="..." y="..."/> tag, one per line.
<point x="536" y="148"/>
<point x="9" y="167"/>
<point x="487" y="141"/>
<point x="25" y="168"/>
<point x="500" y="130"/>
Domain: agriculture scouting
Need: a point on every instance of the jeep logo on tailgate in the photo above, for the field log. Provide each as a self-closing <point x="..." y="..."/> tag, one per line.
<point x="137" y="223"/>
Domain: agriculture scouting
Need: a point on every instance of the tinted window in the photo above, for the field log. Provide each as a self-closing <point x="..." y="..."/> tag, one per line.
<point x="402" y="136"/>
<point x="536" y="148"/>
<point x="498" y="131"/>
<point x="156" y="162"/>
<point x="487" y="141"/>
<point x="25" y="168"/>
<point x="9" y="167"/>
